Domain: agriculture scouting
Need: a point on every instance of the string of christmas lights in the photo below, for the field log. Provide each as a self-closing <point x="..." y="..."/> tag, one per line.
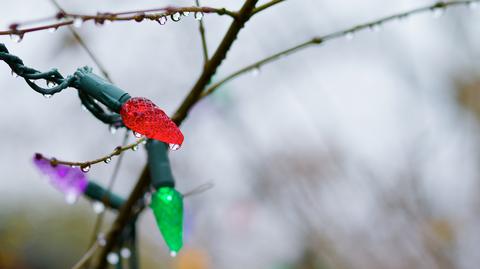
<point x="115" y="107"/>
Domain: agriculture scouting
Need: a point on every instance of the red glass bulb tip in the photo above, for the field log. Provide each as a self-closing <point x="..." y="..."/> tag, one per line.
<point x="144" y="117"/>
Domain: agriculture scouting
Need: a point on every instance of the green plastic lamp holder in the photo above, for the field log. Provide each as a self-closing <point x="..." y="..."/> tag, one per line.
<point x="98" y="193"/>
<point x="91" y="87"/>
<point x="100" y="89"/>
<point x="159" y="164"/>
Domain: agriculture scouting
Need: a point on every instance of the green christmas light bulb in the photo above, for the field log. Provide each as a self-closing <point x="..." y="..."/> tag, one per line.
<point x="167" y="206"/>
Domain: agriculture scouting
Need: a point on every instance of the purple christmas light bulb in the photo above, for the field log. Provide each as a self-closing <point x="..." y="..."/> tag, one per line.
<point x="71" y="181"/>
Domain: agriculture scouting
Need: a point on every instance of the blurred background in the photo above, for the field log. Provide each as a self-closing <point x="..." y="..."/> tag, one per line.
<point x="361" y="153"/>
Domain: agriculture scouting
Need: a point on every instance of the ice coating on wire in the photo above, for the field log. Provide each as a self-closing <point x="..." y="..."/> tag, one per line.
<point x="69" y="180"/>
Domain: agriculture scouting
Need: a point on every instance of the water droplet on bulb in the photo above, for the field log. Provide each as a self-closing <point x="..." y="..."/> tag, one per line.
<point x="175" y="16"/>
<point x="125" y="253"/>
<point x="173" y="146"/>
<point x="70" y="198"/>
<point x="112" y="258"/>
<point x="48" y="96"/>
<point x="198" y="15"/>
<point x="173" y="253"/>
<point x="438" y="12"/>
<point x="85" y="168"/>
<point x="349" y="35"/>
<point x="78" y="22"/>
<point x="137" y="135"/>
<point x="112" y="129"/>
<point x="107" y="160"/>
<point x="162" y="20"/>
<point x="98" y="207"/>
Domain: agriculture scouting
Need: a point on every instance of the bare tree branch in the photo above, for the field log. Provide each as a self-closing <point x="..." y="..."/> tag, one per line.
<point x="439" y="6"/>
<point x="138" y="16"/>
<point x="201" y="29"/>
<point x="267" y="5"/>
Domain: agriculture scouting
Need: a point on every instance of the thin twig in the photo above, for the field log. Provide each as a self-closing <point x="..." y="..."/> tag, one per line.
<point x="256" y="65"/>
<point x="86" y="256"/>
<point x="265" y="6"/>
<point x="123" y="217"/>
<point x="373" y="25"/>
<point x="99" y="220"/>
<point x="84" y="45"/>
<point x="138" y="16"/>
<point x="90" y="53"/>
<point x="201" y="29"/>
<point x="107" y="158"/>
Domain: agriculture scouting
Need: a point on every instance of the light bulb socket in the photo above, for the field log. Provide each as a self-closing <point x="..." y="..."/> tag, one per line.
<point x="100" y="89"/>
<point x="159" y="164"/>
<point x="98" y="193"/>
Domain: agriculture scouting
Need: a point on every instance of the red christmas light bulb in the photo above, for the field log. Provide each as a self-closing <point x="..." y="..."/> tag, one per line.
<point x="144" y="117"/>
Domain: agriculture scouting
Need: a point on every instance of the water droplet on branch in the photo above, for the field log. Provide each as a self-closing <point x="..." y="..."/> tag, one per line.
<point x="162" y="20"/>
<point x="78" y="22"/>
<point x="198" y="15"/>
<point x="112" y="258"/>
<point x="376" y="27"/>
<point x="107" y="160"/>
<point x="98" y="207"/>
<point x="101" y="239"/>
<point x="16" y="37"/>
<point x="438" y="12"/>
<point x="256" y="71"/>
<point x="349" y="35"/>
<point x="175" y="16"/>
<point x="70" y="198"/>
<point x="85" y="168"/>
<point x="125" y="253"/>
